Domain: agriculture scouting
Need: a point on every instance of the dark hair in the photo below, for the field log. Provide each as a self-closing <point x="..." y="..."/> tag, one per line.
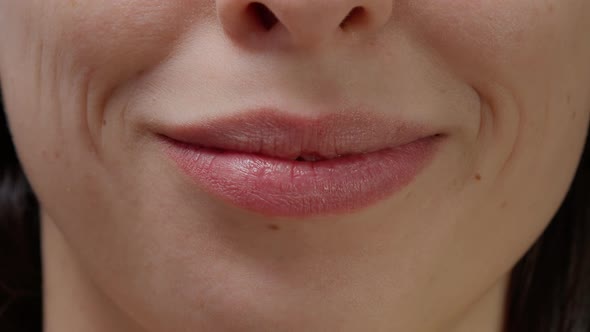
<point x="549" y="287"/>
<point x="20" y="253"/>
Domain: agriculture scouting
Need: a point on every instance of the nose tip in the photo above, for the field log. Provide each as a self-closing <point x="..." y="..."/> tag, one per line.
<point x="301" y="22"/>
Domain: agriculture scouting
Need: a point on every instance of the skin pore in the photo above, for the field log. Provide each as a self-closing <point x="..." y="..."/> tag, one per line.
<point x="130" y="245"/>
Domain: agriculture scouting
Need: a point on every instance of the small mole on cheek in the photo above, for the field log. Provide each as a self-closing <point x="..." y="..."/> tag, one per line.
<point x="477" y="177"/>
<point x="56" y="154"/>
<point x="273" y="227"/>
<point x="104" y="122"/>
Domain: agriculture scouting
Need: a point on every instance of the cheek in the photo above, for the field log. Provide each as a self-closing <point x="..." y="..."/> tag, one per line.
<point x="65" y="57"/>
<point x="527" y="59"/>
<point x="54" y="55"/>
<point x="488" y="40"/>
<point x="117" y="39"/>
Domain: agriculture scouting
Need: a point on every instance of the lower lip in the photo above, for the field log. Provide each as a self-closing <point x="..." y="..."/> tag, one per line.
<point x="287" y="188"/>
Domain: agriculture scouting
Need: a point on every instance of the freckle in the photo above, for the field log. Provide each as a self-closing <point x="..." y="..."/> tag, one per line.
<point x="477" y="177"/>
<point x="57" y="155"/>
<point x="504" y="204"/>
<point x="550" y="7"/>
<point x="574" y="113"/>
<point x="104" y="122"/>
<point x="273" y="227"/>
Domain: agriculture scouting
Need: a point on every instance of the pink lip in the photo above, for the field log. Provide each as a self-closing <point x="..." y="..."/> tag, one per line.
<point x="251" y="160"/>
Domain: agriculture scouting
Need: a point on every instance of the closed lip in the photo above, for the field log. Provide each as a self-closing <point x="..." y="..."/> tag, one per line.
<point x="282" y="165"/>
<point x="273" y="133"/>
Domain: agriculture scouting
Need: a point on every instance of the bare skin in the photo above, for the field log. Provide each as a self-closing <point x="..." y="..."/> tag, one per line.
<point x="129" y="245"/>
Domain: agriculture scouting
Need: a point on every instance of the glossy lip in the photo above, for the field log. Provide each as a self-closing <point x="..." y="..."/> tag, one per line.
<point x="253" y="160"/>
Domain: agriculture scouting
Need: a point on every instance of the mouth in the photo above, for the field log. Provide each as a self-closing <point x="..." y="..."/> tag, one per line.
<point x="280" y="165"/>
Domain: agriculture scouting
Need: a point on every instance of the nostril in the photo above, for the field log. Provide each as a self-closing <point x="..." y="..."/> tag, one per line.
<point x="263" y="15"/>
<point x="355" y="16"/>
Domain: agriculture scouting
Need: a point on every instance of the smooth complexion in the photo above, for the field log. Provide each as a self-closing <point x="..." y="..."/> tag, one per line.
<point x="130" y="245"/>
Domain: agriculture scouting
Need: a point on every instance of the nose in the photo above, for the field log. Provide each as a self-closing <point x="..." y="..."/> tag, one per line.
<point x="301" y="23"/>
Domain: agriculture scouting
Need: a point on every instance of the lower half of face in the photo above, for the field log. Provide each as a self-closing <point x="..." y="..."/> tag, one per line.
<point x="92" y="87"/>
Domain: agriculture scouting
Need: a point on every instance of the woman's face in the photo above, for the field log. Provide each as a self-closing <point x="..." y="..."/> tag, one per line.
<point x="91" y="86"/>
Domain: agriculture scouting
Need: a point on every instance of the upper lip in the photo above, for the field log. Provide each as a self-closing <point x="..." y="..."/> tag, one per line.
<point x="271" y="132"/>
